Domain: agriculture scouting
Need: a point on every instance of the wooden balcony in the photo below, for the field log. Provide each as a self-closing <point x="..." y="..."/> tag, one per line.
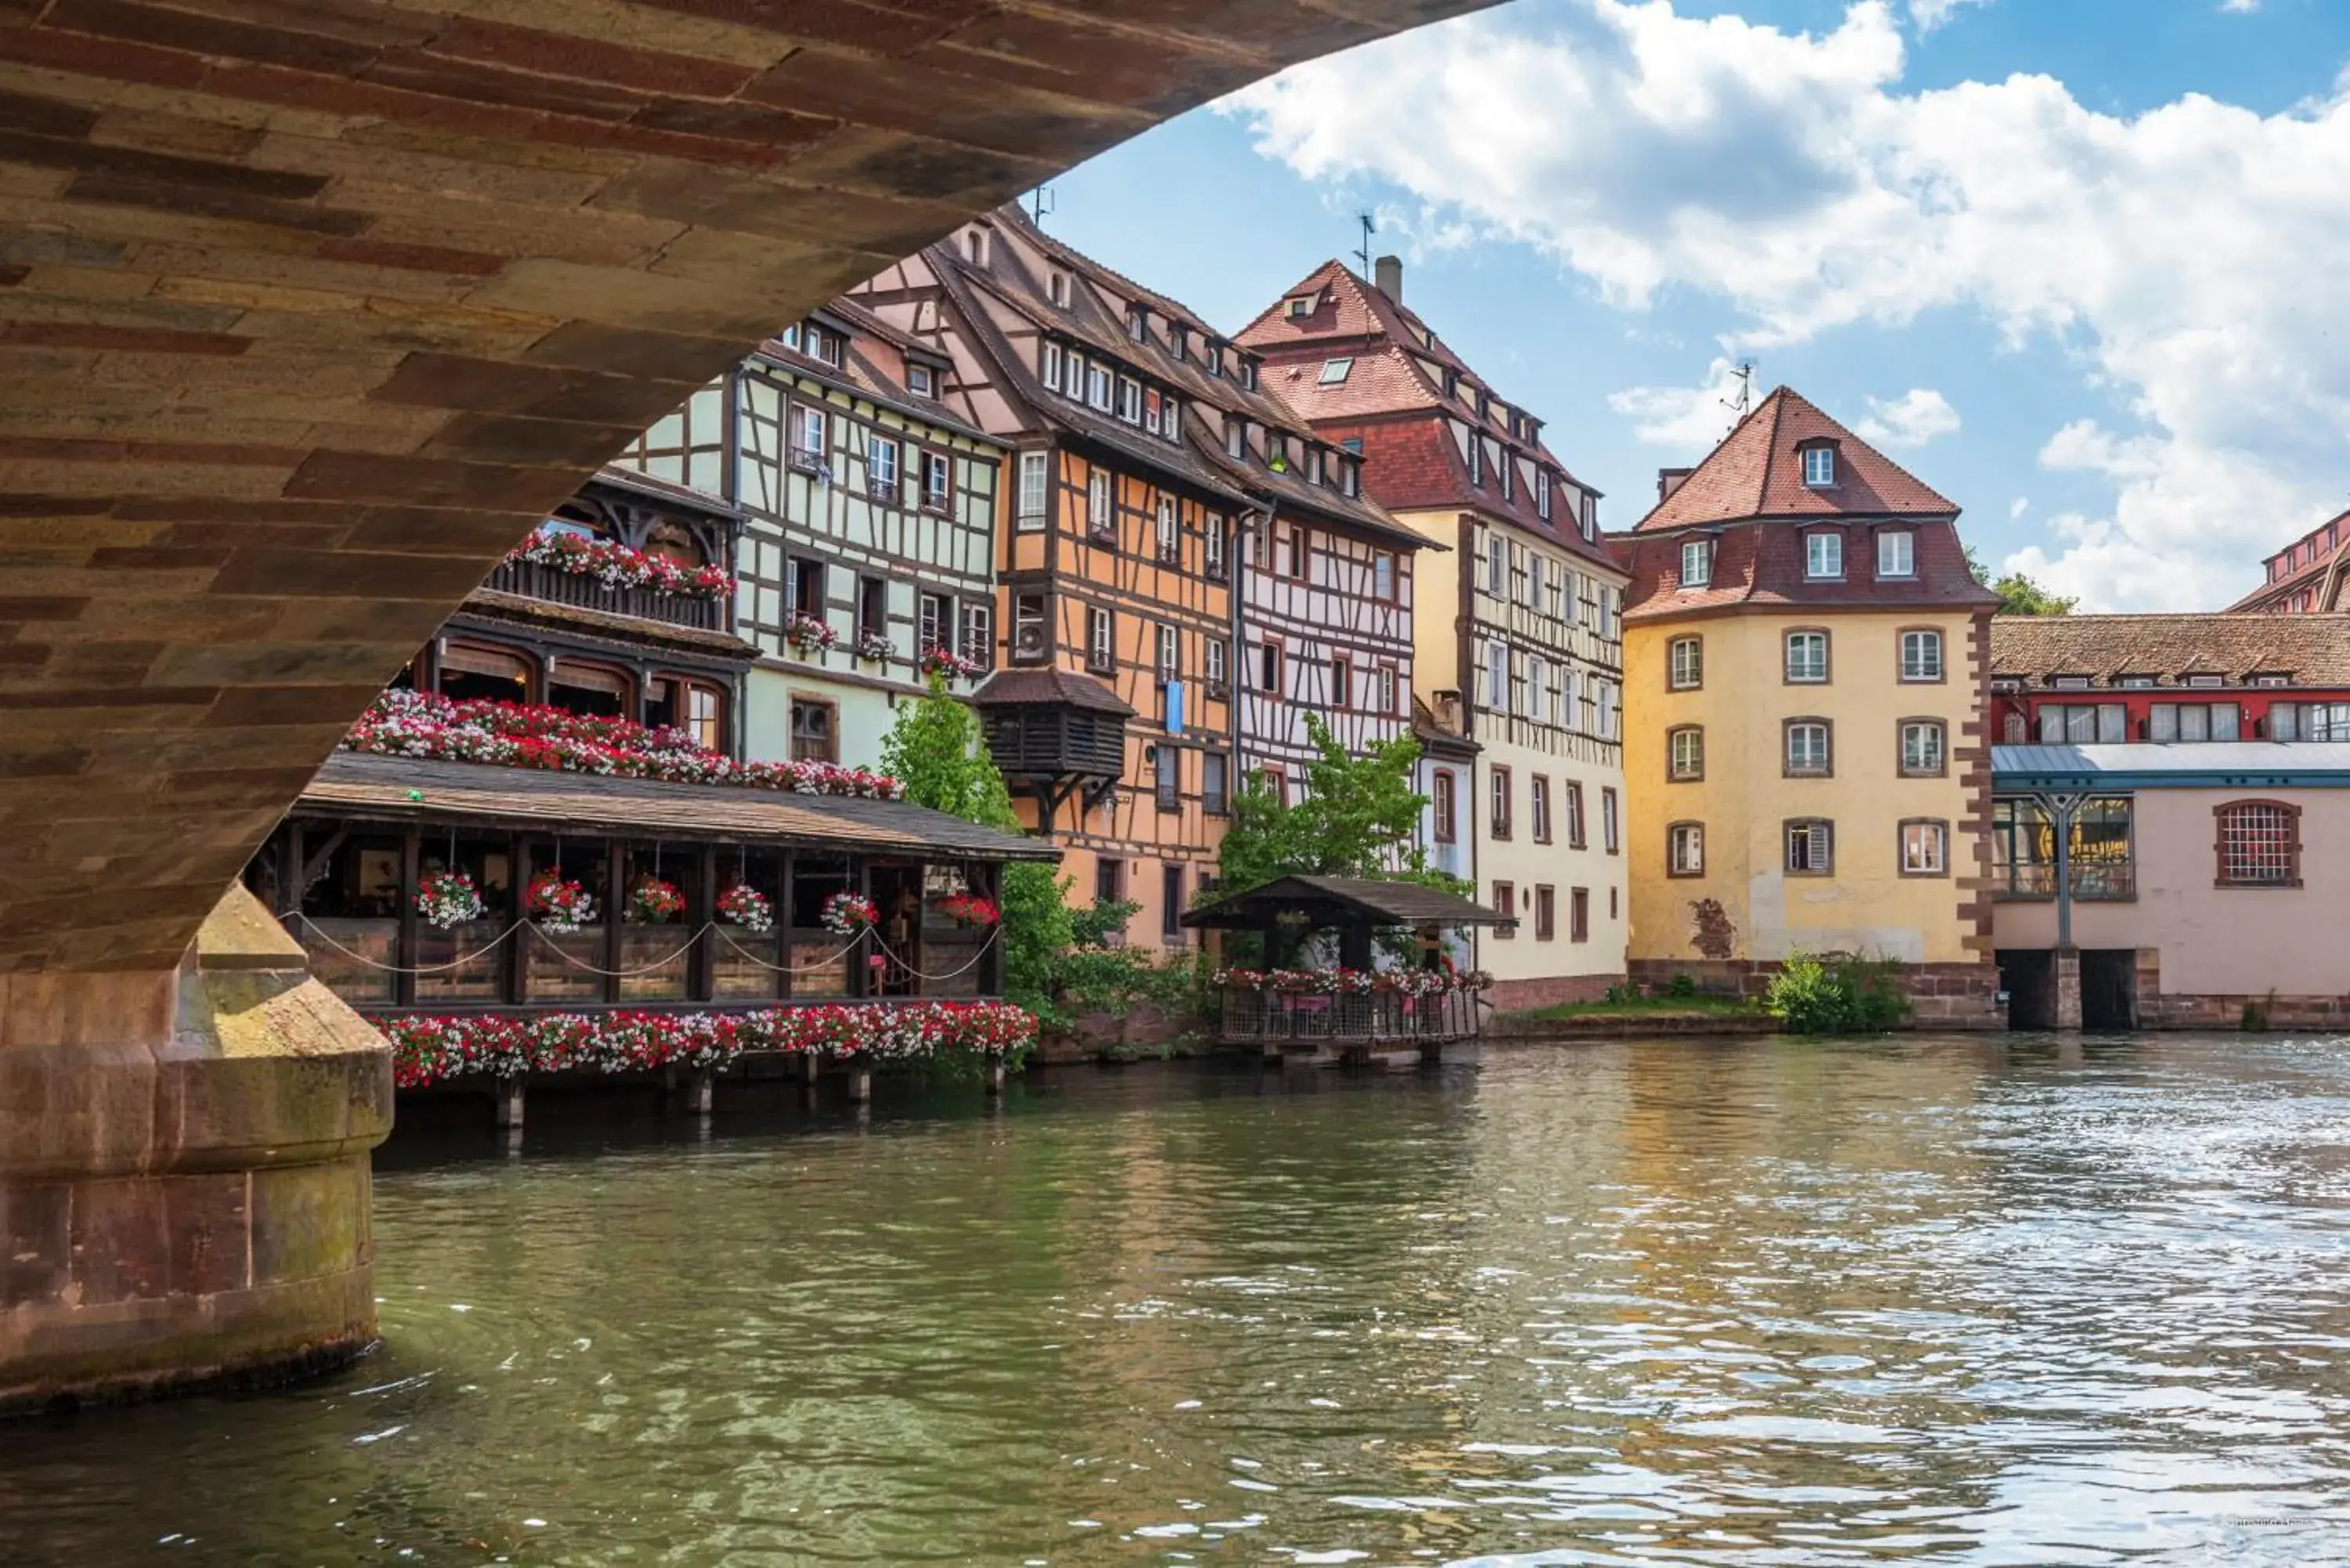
<point x="531" y="580"/>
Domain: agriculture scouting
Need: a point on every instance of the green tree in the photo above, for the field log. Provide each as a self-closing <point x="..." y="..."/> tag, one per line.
<point x="2018" y="594"/>
<point x="1357" y="818"/>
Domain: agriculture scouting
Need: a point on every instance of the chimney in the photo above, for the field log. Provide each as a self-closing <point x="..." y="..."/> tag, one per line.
<point x="1386" y="276"/>
<point x="1669" y="480"/>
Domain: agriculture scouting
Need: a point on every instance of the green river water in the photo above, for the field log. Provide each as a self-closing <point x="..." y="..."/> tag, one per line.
<point x="1936" y="1301"/>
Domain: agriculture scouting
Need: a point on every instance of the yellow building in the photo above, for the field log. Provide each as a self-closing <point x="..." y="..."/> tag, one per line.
<point x="1805" y="689"/>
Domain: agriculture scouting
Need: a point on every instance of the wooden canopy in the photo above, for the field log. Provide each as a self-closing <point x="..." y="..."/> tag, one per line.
<point x="1360" y="902"/>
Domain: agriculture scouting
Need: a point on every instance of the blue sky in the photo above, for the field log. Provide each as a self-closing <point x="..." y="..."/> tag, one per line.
<point x="2079" y="264"/>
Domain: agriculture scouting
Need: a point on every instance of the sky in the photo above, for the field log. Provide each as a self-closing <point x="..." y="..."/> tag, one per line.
<point x="2080" y="264"/>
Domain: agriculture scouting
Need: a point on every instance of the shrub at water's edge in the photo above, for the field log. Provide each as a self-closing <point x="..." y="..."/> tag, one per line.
<point x="1836" y="993"/>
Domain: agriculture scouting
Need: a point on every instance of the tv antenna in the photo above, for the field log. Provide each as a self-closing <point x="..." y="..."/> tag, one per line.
<point x="1041" y="205"/>
<point x="1742" y="404"/>
<point x="1369" y="228"/>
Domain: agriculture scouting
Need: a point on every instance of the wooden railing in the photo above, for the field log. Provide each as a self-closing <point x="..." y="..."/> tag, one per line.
<point x="532" y="580"/>
<point x="1280" y="1020"/>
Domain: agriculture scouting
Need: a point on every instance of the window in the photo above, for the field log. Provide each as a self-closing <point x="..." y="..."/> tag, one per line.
<point x="935" y="619"/>
<point x="871" y="601"/>
<point x="1497" y="676"/>
<point x="1573" y="815"/>
<point x="703" y="720"/>
<point x="1035" y="470"/>
<point x="807" y="585"/>
<point x="1505" y="903"/>
<point x="1097" y="503"/>
<point x="1215" y="671"/>
<point x="1807" y="748"/>
<point x="1138" y="324"/>
<point x="1268" y="667"/>
<point x="1170" y="531"/>
<point x="1921" y="656"/>
<point x="1167" y="780"/>
<point x="920" y="381"/>
<point x="1301" y="551"/>
<point x="1578" y="915"/>
<point x="1129" y="400"/>
<point x="1334" y="371"/>
<point x="1170" y="654"/>
<point x="1686" y="663"/>
<point x="1807" y="658"/>
<point x="1101" y="647"/>
<point x="936" y="481"/>
<point x="881" y="464"/>
<point x="1350" y="478"/>
<point x="2194" y="722"/>
<point x="814" y="735"/>
<point x="1546" y="912"/>
<point x="1212" y="535"/>
<point x="1383" y="576"/>
<point x="2023" y="850"/>
<point x="1497" y="564"/>
<point x="2206" y="680"/>
<point x="1236" y="440"/>
<point x="1299" y="306"/>
<point x="1697" y="563"/>
<point x="1109" y="879"/>
<point x="1342" y="683"/>
<point x="1029" y="626"/>
<point x="1925" y="848"/>
<point x="2259" y="844"/>
<point x="1537" y="684"/>
<point x="1685" y="752"/>
<point x="1170" y="906"/>
<point x="2309" y="721"/>
<point x="824" y="346"/>
<point x="1542" y="494"/>
<point x="975" y="247"/>
<point x="1611" y="710"/>
<point x="1922" y="748"/>
<point x="807" y="436"/>
<point x="1811" y="847"/>
<point x="978" y="633"/>
<point x="1685" y="850"/>
<point x="1098" y="387"/>
<point x="1056" y="288"/>
<point x="1476" y="458"/>
<point x="1444" y="807"/>
<point x="1897" y="553"/>
<point x="1215" y="783"/>
<point x="1819" y="466"/>
<point x="1823" y="554"/>
<point x="1248" y="373"/>
<point x="1608" y="835"/>
<point x="1538" y="803"/>
<point x="1499" y="809"/>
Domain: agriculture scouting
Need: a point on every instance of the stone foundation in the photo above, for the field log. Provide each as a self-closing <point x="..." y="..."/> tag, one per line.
<point x="1550" y="991"/>
<point x="2160" y="1010"/>
<point x="184" y="1183"/>
<point x="1941" y="995"/>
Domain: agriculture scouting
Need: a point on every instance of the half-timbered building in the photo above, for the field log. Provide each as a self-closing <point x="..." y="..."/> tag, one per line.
<point x="869" y="514"/>
<point x="1520" y="638"/>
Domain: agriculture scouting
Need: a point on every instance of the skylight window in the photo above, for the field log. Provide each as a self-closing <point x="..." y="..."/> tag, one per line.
<point x="1334" y="371"/>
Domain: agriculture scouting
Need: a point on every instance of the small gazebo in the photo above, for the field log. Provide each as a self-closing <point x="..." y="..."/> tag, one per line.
<point x="1354" y="1007"/>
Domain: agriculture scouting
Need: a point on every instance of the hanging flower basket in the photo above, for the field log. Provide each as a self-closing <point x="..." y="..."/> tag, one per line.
<point x="849" y="913"/>
<point x="562" y="906"/>
<point x="970" y="910"/>
<point x="744" y="906"/>
<point x="654" y="902"/>
<point x="617" y="566"/>
<point x="448" y="899"/>
<point x="946" y="661"/>
<point x="873" y="645"/>
<point x="809" y="634"/>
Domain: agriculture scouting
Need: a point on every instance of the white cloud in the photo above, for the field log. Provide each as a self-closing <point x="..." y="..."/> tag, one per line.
<point x="1928" y="14"/>
<point x="2239" y="7"/>
<point x="2179" y="253"/>
<point x="1689" y="420"/>
<point x="2018" y="507"/>
<point x="1913" y="418"/>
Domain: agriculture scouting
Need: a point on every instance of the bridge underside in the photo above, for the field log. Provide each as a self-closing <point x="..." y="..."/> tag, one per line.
<point x="309" y="309"/>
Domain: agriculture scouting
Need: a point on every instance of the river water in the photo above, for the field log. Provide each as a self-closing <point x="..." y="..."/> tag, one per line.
<point x="1938" y="1301"/>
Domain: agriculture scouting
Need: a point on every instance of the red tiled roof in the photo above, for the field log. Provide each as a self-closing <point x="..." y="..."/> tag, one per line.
<point x="2314" y="650"/>
<point x="2318" y="572"/>
<point x="1759" y="564"/>
<point x="1758" y="472"/>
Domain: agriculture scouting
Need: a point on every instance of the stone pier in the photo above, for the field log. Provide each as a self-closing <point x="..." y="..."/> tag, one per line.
<point x="184" y="1171"/>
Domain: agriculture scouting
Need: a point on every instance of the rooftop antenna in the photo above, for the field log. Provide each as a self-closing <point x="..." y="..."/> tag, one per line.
<point x="1041" y="205"/>
<point x="1369" y="229"/>
<point x="1743" y="403"/>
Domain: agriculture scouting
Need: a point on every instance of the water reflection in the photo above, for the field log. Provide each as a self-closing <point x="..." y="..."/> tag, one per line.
<point x="1936" y="1301"/>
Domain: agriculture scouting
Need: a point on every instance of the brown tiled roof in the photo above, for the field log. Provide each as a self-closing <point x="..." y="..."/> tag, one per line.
<point x="1759" y="564"/>
<point x="1049" y="686"/>
<point x="1758" y="472"/>
<point x="2314" y="650"/>
<point x="864" y="372"/>
<point x="2323" y="571"/>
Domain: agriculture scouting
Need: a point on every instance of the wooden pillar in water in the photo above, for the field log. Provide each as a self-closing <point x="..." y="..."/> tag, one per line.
<point x="995" y="1076"/>
<point x="510" y="1103"/>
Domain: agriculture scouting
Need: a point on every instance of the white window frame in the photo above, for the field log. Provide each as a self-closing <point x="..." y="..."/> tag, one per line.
<point x="1052" y="361"/>
<point x="1169" y="535"/>
<point x="1035" y="489"/>
<point x="1787" y="659"/>
<point x="1213" y="538"/>
<point x="1897" y="553"/>
<point x="1697" y="564"/>
<point x="1933" y="838"/>
<point x="1101" y="638"/>
<point x="920" y="381"/>
<point x="1819" y="467"/>
<point x="1823" y="554"/>
<point x="1497" y="676"/>
<point x="1685" y="674"/>
<point x="1098" y="386"/>
<point x="1129" y="400"/>
<point x="1685" y="753"/>
<point x="1921" y="669"/>
<point x="880" y="459"/>
<point x="1100" y="510"/>
<point x="1814" y="761"/>
<point x="1915" y="760"/>
<point x="1685" y="848"/>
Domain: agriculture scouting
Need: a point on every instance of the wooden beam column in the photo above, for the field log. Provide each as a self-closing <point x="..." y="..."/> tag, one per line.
<point x="616" y="861"/>
<point x="403" y="987"/>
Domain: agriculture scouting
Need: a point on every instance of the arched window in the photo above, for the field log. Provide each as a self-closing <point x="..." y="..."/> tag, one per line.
<point x="473" y="671"/>
<point x="593" y="689"/>
<point x="2259" y="844"/>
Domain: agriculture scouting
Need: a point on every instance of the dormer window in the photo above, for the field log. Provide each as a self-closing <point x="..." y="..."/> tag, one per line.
<point x="1350" y="478"/>
<point x="1697" y="564"/>
<point x="975" y="247"/>
<point x="1333" y="371"/>
<point x="1248" y="373"/>
<point x="823" y="347"/>
<point x="1236" y="439"/>
<point x="1098" y="387"/>
<point x="1138" y="324"/>
<point x="1823" y="554"/>
<point x="1050" y="361"/>
<point x="1542" y="494"/>
<point x="1179" y="341"/>
<point x="1451" y="377"/>
<point x="1301" y="305"/>
<point x="922" y="380"/>
<point x="1819" y="466"/>
<point x="1313" y="466"/>
<point x="1476" y="458"/>
<point x="1897" y="553"/>
<point x="1056" y="289"/>
<point x="791" y="338"/>
<point x="1212" y="357"/>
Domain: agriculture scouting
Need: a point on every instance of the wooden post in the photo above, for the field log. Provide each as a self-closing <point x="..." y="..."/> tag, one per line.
<point x="784" y="928"/>
<point x="404" y="984"/>
<point x="860" y="1082"/>
<point x="994" y="1075"/>
<point x="517" y="953"/>
<point x="860" y="968"/>
<point x="991" y="963"/>
<point x="811" y="1065"/>
<point x="701" y="1092"/>
<point x="616" y="861"/>
<point x="509" y="1102"/>
<point x="701" y="965"/>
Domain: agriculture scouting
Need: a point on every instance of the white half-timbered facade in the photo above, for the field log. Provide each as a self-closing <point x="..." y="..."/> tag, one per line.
<point x="869" y="524"/>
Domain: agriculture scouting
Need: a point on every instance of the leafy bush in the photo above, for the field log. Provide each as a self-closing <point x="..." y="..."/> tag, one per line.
<point x="1836" y="993"/>
<point x="1682" y="986"/>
